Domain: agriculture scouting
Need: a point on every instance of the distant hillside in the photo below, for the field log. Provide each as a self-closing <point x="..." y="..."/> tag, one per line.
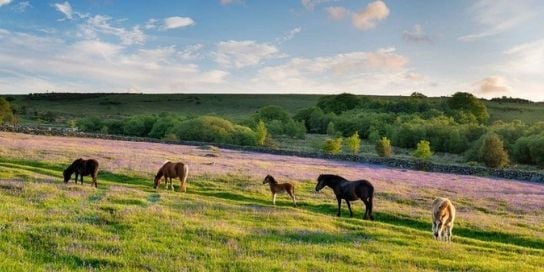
<point x="64" y="107"/>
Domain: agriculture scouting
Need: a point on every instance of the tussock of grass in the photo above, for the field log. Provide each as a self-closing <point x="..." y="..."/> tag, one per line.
<point x="227" y="224"/>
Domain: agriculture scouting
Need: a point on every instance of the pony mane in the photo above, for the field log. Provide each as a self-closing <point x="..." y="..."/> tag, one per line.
<point x="165" y="162"/>
<point x="332" y="177"/>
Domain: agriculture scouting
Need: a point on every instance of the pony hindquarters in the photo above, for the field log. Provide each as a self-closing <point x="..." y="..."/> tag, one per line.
<point x="183" y="178"/>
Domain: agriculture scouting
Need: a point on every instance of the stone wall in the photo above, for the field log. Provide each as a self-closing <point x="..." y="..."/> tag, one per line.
<point x="371" y="159"/>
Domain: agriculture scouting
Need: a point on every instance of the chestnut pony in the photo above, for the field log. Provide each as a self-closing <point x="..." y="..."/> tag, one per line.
<point x="350" y="191"/>
<point x="82" y="168"/>
<point x="276" y="187"/>
<point x="171" y="170"/>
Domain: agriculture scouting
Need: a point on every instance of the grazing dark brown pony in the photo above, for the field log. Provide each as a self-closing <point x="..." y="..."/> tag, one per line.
<point x="276" y="187"/>
<point x="82" y="168"/>
<point x="350" y="191"/>
<point x="171" y="170"/>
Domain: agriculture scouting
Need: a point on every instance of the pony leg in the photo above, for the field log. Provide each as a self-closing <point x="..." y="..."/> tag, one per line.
<point x="274" y="199"/>
<point x="339" y="206"/>
<point x="368" y="208"/>
<point x="77" y="176"/>
<point x="449" y="233"/>
<point x="292" y="194"/>
<point x="94" y="181"/>
<point x="171" y="184"/>
<point x="349" y="207"/>
<point x="81" y="179"/>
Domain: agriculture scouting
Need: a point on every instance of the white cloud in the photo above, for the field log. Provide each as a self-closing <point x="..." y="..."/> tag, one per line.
<point x="337" y="13"/>
<point x="244" y="53"/>
<point x="21" y="6"/>
<point x="416" y="34"/>
<point x="492" y="86"/>
<point x="311" y="4"/>
<point x="497" y="16"/>
<point x="65" y="8"/>
<point x="526" y="59"/>
<point x="368" y="18"/>
<point x="42" y="63"/>
<point x="4" y="2"/>
<point x="228" y="2"/>
<point x="151" y="23"/>
<point x="177" y="22"/>
<point x="355" y="71"/>
<point x="101" y="24"/>
<point x="289" y="35"/>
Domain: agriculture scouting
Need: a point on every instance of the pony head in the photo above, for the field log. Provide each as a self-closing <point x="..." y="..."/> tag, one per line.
<point x="268" y="179"/>
<point x="156" y="181"/>
<point x="320" y="183"/>
<point x="66" y="174"/>
<point x="437" y="229"/>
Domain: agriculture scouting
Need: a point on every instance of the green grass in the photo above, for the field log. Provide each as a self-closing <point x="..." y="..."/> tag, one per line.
<point x="227" y="223"/>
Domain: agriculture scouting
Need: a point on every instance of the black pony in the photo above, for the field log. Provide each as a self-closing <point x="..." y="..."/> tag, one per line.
<point x="350" y="191"/>
<point x="82" y="168"/>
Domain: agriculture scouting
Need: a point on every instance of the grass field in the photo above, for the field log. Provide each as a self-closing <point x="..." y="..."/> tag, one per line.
<point x="225" y="221"/>
<point x="234" y="106"/>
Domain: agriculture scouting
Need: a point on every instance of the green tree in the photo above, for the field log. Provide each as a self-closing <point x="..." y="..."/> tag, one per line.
<point x="467" y="102"/>
<point x="339" y="103"/>
<point x="354" y="143"/>
<point x="383" y="148"/>
<point x="6" y="114"/>
<point x="262" y="132"/>
<point x="332" y="146"/>
<point x="423" y="150"/>
<point x="492" y="152"/>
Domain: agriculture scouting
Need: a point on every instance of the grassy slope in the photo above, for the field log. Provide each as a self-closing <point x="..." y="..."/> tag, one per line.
<point x="224" y="223"/>
<point x="233" y="106"/>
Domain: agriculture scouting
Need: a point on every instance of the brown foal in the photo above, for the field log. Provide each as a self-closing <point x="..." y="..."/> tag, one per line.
<point x="276" y="187"/>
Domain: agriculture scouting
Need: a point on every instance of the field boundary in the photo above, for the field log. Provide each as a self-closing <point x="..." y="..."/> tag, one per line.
<point x="532" y="176"/>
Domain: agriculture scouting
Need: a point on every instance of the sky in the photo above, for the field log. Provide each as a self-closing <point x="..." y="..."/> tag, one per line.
<point x="392" y="47"/>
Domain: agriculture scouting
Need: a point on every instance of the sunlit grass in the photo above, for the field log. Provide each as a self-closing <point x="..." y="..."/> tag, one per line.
<point x="227" y="222"/>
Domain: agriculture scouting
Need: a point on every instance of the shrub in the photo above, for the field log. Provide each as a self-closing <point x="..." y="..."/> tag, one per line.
<point x="90" y="124"/>
<point x="164" y="125"/>
<point x="492" y="152"/>
<point x="374" y="136"/>
<point x="262" y="132"/>
<point x="423" y="150"/>
<point x="354" y="143"/>
<point x="330" y="129"/>
<point x="295" y="129"/>
<point x="269" y="113"/>
<point x="6" y="114"/>
<point x="383" y="148"/>
<point x="138" y="125"/>
<point x="332" y="146"/>
<point x="529" y="150"/>
<point x="215" y="129"/>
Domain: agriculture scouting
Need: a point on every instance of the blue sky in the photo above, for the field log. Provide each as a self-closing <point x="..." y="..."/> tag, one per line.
<point x="487" y="47"/>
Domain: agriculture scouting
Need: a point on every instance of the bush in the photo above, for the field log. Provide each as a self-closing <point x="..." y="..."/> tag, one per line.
<point x="269" y="113"/>
<point x="262" y="132"/>
<point x="354" y="143"/>
<point x="423" y="150"/>
<point x="383" y="148"/>
<point x="332" y="146"/>
<point x="492" y="152"/>
<point x="6" y="113"/>
<point x="295" y="129"/>
<point x="216" y="130"/>
<point x="139" y="126"/>
<point x="90" y="124"/>
<point x="529" y="150"/>
<point x="164" y="125"/>
<point x="330" y="129"/>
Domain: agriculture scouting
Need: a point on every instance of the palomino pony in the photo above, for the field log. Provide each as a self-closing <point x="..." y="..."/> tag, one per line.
<point x="350" y="191"/>
<point x="171" y="170"/>
<point x="276" y="187"/>
<point x="82" y="168"/>
<point x="443" y="217"/>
